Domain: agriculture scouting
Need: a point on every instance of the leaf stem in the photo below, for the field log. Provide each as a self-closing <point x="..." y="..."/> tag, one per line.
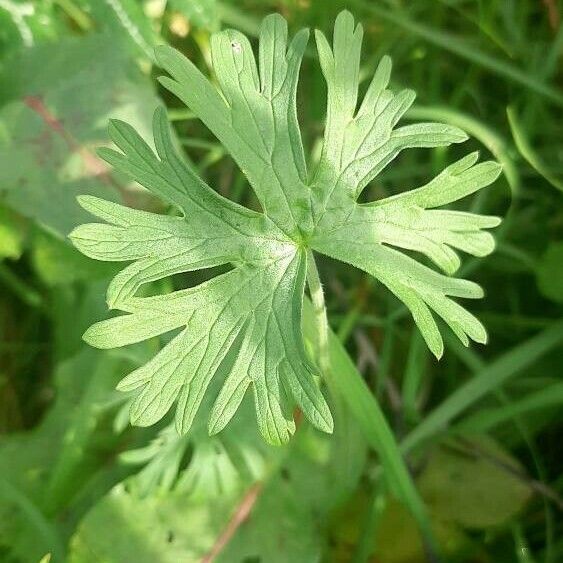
<point x="321" y="320"/>
<point x="355" y="394"/>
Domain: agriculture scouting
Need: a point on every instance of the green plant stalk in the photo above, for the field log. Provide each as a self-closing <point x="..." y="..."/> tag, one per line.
<point x="345" y="434"/>
<point x="321" y="320"/>
<point x="364" y="407"/>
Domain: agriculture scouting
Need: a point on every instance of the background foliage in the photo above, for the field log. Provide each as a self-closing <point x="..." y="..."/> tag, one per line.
<point x="480" y="428"/>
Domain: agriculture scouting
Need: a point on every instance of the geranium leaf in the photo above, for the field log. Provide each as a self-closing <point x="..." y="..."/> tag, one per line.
<point x="240" y="331"/>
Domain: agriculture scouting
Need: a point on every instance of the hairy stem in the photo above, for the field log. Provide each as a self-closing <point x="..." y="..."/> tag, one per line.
<point x="321" y="321"/>
<point x="358" y="398"/>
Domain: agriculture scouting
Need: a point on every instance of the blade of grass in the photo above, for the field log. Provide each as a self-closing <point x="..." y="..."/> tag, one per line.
<point x="489" y="378"/>
<point x="486" y="419"/>
<point x="455" y="45"/>
<point x="528" y="153"/>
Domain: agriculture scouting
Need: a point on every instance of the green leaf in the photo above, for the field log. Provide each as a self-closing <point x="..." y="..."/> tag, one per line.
<point x="254" y="309"/>
<point x="160" y="459"/>
<point x="55" y="105"/>
<point x="218" y="465"/>
<point x="166" y="528"/>
<point x="241" y="330"/>
<point x="493" y="490"/>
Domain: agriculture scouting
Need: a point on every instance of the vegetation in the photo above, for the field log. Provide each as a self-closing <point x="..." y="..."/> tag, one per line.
<point x="281" y="404"/>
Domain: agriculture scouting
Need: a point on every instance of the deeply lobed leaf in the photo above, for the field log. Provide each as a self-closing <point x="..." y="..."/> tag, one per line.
<point x="242" y="329"/>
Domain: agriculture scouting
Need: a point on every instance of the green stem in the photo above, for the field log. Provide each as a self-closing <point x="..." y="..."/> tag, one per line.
<point x="348" y="443"/>
<point x="351" y="391"/>
<point x="321" y="320"/>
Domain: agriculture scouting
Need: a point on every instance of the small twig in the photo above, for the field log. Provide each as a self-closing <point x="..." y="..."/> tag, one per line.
<point x="552" y="14"/>
<point x="93" y="165"/>
<point x="367" y="354"/>
<point x="240" y="515"/>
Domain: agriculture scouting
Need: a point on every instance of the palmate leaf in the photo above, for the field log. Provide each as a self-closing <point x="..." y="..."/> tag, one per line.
<point x="254" y="309"/>
<point x="242" y="330"/>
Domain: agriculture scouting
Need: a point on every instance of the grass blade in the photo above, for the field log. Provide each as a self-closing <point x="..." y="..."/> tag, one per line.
<point x="486" y="419"/>
<point x="486" y="380"/>
<point x="466" y="51"/>
<point x="528" y="153"/>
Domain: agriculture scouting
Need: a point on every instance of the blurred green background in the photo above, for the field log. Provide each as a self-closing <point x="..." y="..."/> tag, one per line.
<point x="78" y="484"/>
